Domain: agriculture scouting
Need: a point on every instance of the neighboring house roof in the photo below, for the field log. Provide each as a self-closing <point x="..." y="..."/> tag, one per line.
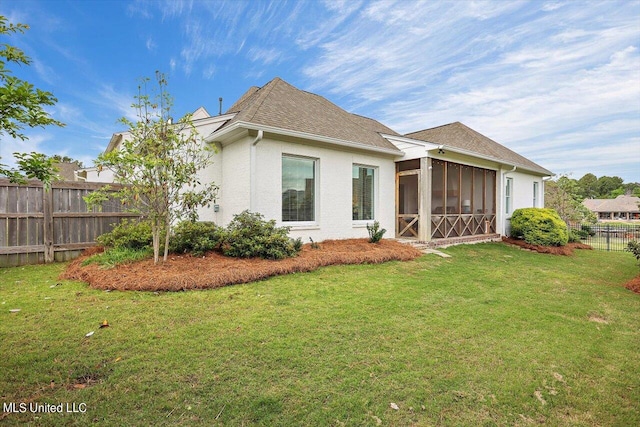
<point x="281" y="105"/>
<point x="622" y="203"/>
<point x="457" y="135"/>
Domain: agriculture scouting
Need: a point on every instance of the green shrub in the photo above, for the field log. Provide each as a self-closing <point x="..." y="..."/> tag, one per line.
<point x="249" y="235"/>
<point x="576" y="235"/>
<point x="539" y="226"/>
<point x="375" y="233"/>
<point x="196" y="238"/>
<point x="633" y="247"/>
<point x="128" y="234"/>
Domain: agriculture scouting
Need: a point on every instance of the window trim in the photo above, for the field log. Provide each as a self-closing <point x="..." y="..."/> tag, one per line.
<point x="536" y="191"/>
<point x="374" y="202"/>
<point x="312" y="224"/>
<point x="508" y="196"/>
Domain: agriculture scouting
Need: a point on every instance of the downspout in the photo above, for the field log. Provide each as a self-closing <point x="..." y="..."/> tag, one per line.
<point x="252" y="170"/>
<point x="503" y="213"/>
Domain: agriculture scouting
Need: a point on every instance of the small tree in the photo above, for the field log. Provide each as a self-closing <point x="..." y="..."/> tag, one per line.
<point x="563" y="195"/>
<point x="158" y="164"/>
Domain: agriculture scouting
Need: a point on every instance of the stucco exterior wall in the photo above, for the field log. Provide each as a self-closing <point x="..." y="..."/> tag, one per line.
<point x="333" y="218"/>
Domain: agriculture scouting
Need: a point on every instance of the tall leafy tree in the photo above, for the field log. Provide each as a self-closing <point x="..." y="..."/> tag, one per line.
<point x="21" y="104"/>
<point x="564" y="196"/>
<point x="588" y="186"/>
<point x="158" y="163"/>
<point x="608" y="184"/>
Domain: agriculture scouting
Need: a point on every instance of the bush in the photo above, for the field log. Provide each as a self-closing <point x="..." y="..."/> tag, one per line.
<point x="575" y="236"/>
<point x="538" y="226"/>
<point x="375" y="233"/>
<point x="128" y="234"/>
<point x="196" y="238"/>
<point x="633" y="247"/>
<point x="249" y="235"/>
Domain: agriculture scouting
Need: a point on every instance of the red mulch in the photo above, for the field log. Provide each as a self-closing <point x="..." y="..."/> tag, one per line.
<point x="182" y="272"/>
<point x="555" y="250"/>
<point x="634" y="284"/>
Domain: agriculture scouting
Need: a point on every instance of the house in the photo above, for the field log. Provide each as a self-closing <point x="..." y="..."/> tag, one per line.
<point x="622" y="207"/>
<point x="326" y="173"/>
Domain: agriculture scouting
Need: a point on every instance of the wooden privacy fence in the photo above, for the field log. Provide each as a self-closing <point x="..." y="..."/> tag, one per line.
<point x="38" y="226"/>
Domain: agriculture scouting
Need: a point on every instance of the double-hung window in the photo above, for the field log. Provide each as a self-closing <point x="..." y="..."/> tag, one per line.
<point x="363" y="191"/>
<point x="508" y="196"/>
<point x="298" y="189"/>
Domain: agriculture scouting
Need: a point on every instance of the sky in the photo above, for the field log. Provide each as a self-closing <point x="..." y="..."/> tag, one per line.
<point x="555" y="81"/>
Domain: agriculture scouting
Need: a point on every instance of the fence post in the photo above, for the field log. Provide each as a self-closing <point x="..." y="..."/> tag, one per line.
<point x="608" y="233"/>
<point x="47" y="233"/>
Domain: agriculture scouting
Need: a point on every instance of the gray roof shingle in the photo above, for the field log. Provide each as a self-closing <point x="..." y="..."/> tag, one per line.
<point x="458" y="135"/>
<point x="619" y="204"/>
<point x="281" y="105"/>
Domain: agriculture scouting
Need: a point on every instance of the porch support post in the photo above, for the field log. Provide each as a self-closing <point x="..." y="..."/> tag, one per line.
<point x="424" y="200"/>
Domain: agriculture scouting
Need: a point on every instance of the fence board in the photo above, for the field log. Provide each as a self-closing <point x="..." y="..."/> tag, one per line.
<point x="43" y="226"/>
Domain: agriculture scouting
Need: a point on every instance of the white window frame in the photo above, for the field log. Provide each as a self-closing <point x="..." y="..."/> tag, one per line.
<point x="508" y="196"/>
<point x="316" y="193"/>
<point x="536" y="193"/>
<point x="374" y="202"/>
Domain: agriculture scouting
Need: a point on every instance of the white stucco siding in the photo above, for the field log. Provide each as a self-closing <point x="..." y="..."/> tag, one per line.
<point x="212" y="173"/>
<point x="522" y="195"/>
<point x="234" y="194"/>
<point x="333" y="186"/>
<point x="103" y="176"/>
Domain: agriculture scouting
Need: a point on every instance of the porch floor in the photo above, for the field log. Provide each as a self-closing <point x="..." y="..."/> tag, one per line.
<point x="452" y="241"/>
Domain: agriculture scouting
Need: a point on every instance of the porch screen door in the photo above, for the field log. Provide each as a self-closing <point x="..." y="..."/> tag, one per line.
<point x="407" y="203"/>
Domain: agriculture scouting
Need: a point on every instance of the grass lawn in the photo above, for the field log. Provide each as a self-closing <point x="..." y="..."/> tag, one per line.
<point x="492" y="336"/>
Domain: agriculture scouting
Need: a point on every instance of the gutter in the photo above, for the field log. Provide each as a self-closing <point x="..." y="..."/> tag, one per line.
<point x="216" y="136"/>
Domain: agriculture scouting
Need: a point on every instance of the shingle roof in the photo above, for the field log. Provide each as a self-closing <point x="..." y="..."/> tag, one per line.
<point x="458" y="135"/>
<point x="281" y="105"/>
<point x="619" y="204"/>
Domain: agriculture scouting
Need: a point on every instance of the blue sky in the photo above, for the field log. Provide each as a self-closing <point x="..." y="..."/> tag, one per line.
<point x="558" y="82"/>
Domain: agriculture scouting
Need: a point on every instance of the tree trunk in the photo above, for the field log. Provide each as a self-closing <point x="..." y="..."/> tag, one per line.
<point x="155" y="232"/>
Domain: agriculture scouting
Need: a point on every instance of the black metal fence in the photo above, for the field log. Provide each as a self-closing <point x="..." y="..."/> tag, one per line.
<point x="606" y="236"/>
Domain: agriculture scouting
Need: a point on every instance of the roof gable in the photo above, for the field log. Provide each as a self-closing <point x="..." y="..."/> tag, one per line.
<point x="457" y="135"/>
<point x="619" y="204"/>
<point x="280" y="105"/>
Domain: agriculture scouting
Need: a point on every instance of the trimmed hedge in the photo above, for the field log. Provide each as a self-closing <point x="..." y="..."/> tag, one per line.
<point x="539" y="226"/>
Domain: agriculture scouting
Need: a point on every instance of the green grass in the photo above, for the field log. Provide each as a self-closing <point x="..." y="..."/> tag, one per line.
<point x="482" y="338"/>
<point x="116" y="256"/>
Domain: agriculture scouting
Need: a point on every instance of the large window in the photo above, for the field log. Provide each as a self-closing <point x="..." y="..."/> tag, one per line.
<point x="298" y="188"/>
<point x="363" y="182"/>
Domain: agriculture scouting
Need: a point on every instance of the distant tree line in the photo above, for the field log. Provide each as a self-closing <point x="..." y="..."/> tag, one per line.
<point x="566" y="195"/>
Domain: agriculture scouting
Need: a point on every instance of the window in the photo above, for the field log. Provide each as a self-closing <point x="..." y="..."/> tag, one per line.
<point x="535" y="194"/>
<point x="363" y="182"/>
<point x="508" y="195"/>
<point x="298" y="188"/>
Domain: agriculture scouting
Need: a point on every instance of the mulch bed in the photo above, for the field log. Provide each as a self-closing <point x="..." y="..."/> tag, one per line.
<point x="555" y="250"/>
<point x="634" y="284"/>
<point x="182" y="272"/>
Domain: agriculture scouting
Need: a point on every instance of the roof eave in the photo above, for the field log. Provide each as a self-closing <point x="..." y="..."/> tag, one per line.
<point x="430" y="146"/>
<point x="219" y="136"/>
